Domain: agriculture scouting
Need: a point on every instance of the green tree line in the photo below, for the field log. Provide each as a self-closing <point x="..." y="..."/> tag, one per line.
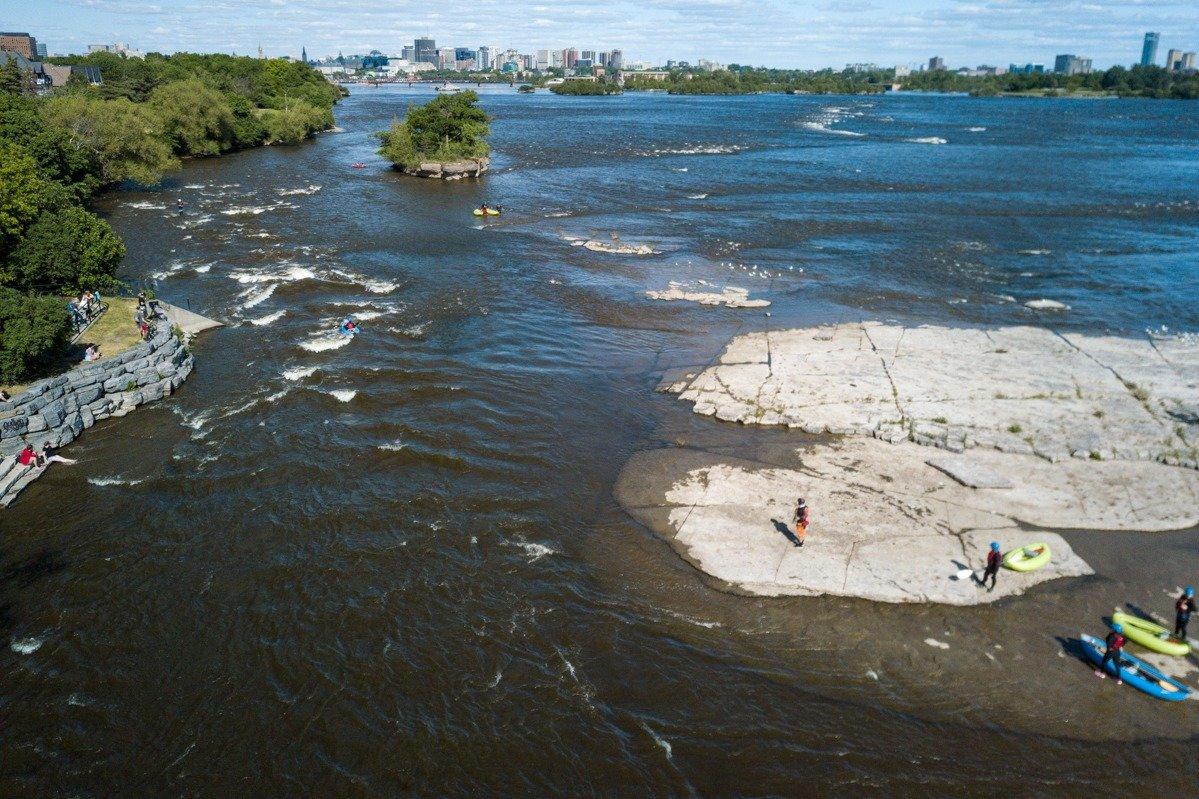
<point x="59" y="150"/>
<point x="1137" y="81"/>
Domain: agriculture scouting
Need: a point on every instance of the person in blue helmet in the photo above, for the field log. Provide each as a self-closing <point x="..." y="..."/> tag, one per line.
<point x="1184" y="606"/>
<point x="994" y="560"/>
<point x="1115" y="645"/>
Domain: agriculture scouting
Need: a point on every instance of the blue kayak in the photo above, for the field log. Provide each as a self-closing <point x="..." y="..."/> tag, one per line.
<point x="1136" y="672"/>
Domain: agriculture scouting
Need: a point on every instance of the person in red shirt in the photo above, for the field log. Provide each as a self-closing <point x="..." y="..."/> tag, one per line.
<point x="27" y="457"/>
<point x="994" y="560"/>
<point x="801" y="522"/>
<point x="1115" y="645"/>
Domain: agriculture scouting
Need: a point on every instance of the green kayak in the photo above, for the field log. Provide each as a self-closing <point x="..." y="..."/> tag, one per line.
<point x="1027" y="558"/>
<point x="1150" y="635"/>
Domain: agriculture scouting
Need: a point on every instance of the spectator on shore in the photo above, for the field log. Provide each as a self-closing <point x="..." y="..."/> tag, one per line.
<point x="48" y="456"/>
<point x="92" y="353"/>
<point x="77" y="317"/>
<point x="4" y="396"/>
<point x="143" y="327"/>
<point x="27" y="457"/>
<point x="994" y="561"/>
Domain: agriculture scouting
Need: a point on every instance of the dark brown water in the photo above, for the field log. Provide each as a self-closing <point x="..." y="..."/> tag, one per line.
<point x="420" y="584"/>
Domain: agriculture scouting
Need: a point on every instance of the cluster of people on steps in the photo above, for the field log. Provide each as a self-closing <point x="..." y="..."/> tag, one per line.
<point x="84" y="309"/>
<point x="37" y="460"/>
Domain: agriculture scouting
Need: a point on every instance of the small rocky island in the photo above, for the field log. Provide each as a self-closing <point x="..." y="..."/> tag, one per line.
<point x="922" y="445"/>
<point x="446" y="138"/>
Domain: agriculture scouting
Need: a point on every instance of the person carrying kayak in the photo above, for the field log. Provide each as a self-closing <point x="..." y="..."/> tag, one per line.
<point x="801" y="522"/>
<point x="994" y="560"/>
<point x="1115" y="645"/>
<point x="1184" y="606"/>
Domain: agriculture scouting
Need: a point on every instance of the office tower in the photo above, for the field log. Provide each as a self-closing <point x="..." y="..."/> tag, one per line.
<point x="20" y="43"/>
<point x="1068" y="64"/>
<point x="1149" y="49"/>
<point x="485" y="58"/>
<point x="616" y="59"/>
<point x="1188" y="60"/>
<point x="408" y="53"/>
<point x="41" y="51"/>
<point x="426" y="51"/>
<point x="936" y="63"/>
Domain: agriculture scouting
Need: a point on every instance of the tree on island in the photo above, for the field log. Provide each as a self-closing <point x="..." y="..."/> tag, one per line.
<point x="585" y="88"/>
<point x="450" y="127"/>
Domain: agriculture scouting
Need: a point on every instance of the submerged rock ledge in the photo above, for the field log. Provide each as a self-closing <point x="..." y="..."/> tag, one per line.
<point x="1022" y="390"/>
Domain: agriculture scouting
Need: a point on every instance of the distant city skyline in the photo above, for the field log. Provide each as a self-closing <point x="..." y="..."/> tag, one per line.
<point x="779" y="33"/>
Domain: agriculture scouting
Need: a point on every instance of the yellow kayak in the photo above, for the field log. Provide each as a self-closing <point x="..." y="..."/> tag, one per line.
<point x="1027" y="558"/>
<point x="1151" y="635"/>
<point x="488" y="212"/>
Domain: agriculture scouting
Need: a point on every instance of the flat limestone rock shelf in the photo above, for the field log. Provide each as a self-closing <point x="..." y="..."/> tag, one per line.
<point x="1015" y="389"/>
<point x="886" y="526"/>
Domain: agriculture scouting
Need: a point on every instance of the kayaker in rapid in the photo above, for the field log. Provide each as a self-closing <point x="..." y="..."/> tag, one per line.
<point x="1115" y="645"/>
<point x="994" y="560"/>
<point x="348" y="327"/>
<point x="484" y="209"/>
<point x="1184" y="606"/>
<point x="801" y="522"/>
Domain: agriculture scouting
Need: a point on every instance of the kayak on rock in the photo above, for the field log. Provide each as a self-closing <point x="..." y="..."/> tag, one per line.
<point x="1027" y="558"/>
<point x="1135" y="672"/>
<point x="1151" y="635"/>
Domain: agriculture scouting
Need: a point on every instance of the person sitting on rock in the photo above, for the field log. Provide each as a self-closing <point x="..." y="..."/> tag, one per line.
<point x="27" y="457"/>
<point x="994" y="559"/>
<point x="1184" y="606"/>
<point x="1115" y="644"/>
<point x="92" y="353"/>
<point x="801" y="522"/>
<point x="4" y="396"/>
<point x="48" y="456"/>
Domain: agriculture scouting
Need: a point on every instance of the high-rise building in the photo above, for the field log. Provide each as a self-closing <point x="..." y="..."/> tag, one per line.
<point x="426" y="51"/>
<point x="1068" y="64"/>
<point x="1188" y="60"/>
<point x="485" y="59"/>
<point x="20" y="43"/>
<point x="408" y="53"/>
<point x="445" y="58"/>
<point x="616" y="59"/>
<point x="1173" y="60"/>
<point x="936" y="63"/>
<point x="588" y="55"/>
<point x="1149" y="49"/>
<point x="569" y="57"/>
<point x="42" y="52"/>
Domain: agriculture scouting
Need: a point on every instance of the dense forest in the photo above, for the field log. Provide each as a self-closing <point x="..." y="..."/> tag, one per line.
<point x="450" y="127"/>
<point x="586" y="88"/>
<point x="57" y="151"/>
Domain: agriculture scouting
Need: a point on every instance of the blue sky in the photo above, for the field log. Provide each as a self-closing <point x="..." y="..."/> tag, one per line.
<point x="784" y="33"/>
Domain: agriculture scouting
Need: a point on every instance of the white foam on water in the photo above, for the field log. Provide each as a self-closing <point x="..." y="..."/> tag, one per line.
<point x="195" y="221"/>
<point x="823" y="127"/>
<point x="933" y="642"/>
<point x="659" y="740"/>
<point x="976" y="129"/>
<point x="278" y="395"/>
<point x="536" y="552"/>
<point x="26" y="646"/>
<point x="115" y="481"/>
<point x="269" y="318"/>
<point x="322" y="342"/>
<point x="203" y="269"/>
<point x="394" y="446"/>
<point x="872" y="674"/>
<point x="697" y="622"/>
<point x="245" y="407"/>
<point x="299" y="372"/>
<point x="146" y="205"/>
<point x="702" y="196"/>
<point x="195" y="186"/>
<point x="291" y="274"/>
<point x="310" y="189"/>
<point x="342" y="394"/>
<point x="928" y="140"/>
<point x="1035" y="252"/>
<point x="257" y="296"/>
<point x="412" y="331"/>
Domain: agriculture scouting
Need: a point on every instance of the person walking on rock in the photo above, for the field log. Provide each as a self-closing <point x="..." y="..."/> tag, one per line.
<point x="1184" y="606"/>
<point x="1115" y="645"/>
<point x="994" y="560"/>
<point x="801" y="522"/>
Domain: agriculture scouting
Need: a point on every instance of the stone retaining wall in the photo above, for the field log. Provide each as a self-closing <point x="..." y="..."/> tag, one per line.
<point x="56" y="410"/>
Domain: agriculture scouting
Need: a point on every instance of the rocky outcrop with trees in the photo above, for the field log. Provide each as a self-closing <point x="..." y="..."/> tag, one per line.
<point x="445" y="138"/>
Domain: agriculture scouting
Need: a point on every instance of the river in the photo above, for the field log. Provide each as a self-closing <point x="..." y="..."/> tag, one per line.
<point x="393" y="565"/>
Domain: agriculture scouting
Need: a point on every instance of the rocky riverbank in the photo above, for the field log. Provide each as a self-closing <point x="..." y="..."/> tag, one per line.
<point x="56" y="410"/>
<point x="449" y="170"/>
<point x="1042" y="429"/>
